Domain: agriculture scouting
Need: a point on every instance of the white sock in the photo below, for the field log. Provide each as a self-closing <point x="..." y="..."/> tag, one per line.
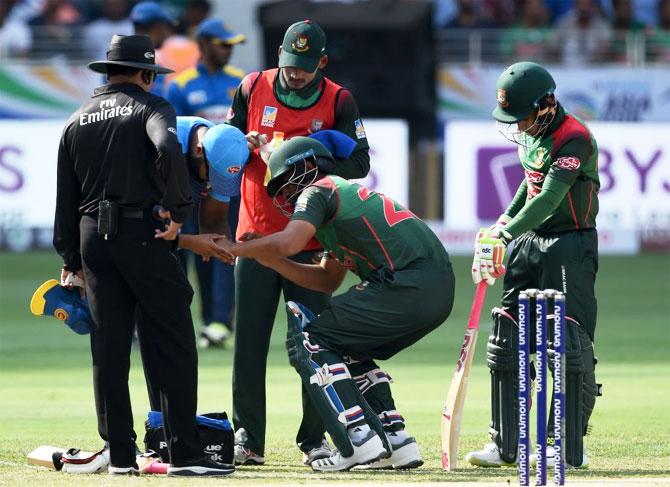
<point x="397" y="437"/>
<point x="358" y="432"/>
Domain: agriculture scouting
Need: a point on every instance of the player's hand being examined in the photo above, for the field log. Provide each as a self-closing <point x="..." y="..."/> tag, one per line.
<point x="225" y="245"/>
<point x="488" y="262"/>
<point x="207" y="246"/>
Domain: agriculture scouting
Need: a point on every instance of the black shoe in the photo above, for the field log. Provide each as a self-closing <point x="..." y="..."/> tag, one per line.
<point x="202" y="466"/>
<point x="133" y="470"/>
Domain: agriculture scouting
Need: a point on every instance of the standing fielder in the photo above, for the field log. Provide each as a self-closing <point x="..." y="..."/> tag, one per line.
<point x="406" y="291"/>
<point x="206" y="90"/>
<point x="553" y="220"/>
<point x="215" y="156"/>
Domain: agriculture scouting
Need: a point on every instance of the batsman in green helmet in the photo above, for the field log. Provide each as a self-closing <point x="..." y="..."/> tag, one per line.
<point x="400" y="263"/>
<point x="552" y="221"/>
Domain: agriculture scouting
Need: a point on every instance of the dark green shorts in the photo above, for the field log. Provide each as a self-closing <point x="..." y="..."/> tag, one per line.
<point x="388" y="312"/>
<point x="566" y="261"/>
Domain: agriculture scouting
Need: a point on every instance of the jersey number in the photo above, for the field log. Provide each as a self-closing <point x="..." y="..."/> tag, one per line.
<point x="392" y="216"/>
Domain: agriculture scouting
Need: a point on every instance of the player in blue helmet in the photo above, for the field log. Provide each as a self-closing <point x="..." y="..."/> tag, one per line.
<point x="216" y="156"/>
<point x="206" y="90"/>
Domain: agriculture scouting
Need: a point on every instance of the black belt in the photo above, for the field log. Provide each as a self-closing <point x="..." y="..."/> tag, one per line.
<point x="542" y="234"/>
<point x="135" y="213"/>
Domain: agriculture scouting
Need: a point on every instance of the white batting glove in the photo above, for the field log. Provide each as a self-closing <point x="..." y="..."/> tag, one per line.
<point x="492" y="257"/>
<point x="488" y="263"/>
<point x="477" y="276"/>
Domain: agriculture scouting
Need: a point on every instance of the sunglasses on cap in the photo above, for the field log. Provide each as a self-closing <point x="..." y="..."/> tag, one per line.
<point x="219" y="42"/>
<point x="300" y="157"/>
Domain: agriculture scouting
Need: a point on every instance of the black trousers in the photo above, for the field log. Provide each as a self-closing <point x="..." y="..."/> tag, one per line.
<point x="134" y="271"/>
<point x="567" y="261"/>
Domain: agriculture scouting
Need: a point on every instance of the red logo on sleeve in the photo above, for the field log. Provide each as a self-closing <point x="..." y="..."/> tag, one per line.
<point x="569" y="163"/>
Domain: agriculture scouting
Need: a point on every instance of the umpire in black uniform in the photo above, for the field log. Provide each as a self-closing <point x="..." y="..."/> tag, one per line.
<point x="118" y="157"/>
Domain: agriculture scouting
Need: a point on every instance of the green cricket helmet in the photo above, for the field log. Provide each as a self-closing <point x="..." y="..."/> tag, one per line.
<point x="520" y="89"/>
<point x="291" y="156"/>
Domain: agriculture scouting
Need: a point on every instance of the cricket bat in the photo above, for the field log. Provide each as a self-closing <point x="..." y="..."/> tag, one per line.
<point x="453" y="407"/>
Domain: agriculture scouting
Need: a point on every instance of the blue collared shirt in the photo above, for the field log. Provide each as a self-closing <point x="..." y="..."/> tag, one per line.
<point x="158" y="87"/>
<point x="198" y="92"/>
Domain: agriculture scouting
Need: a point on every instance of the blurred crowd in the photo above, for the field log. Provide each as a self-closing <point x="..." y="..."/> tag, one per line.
<point x="82" y="28"/>
<point x="566" y="31"/>
<point x="571" y="32"/>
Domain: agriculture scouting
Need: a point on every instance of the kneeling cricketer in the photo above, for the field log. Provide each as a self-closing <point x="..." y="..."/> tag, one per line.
<point x="406" y="291"/>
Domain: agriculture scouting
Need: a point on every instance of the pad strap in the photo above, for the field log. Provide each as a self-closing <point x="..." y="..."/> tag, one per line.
<point x="309" y="346"/>
<point x="328" y="374"/>
<point x="503" y="312"/>
<point x="391" y="418"/>
<point x="352" y="415"/>
<point x="371" y="379"/>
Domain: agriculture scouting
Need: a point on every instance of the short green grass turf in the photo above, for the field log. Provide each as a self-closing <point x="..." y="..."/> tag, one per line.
<point x="46" y="392"/>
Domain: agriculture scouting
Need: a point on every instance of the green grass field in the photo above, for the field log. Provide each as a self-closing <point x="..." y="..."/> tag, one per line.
<point x="46" y="391"/>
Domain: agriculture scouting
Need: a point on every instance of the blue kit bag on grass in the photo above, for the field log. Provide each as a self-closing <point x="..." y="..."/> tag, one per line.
<point x="216" y="435"/>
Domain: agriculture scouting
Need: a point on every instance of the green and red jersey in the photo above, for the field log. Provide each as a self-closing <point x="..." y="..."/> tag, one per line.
<point x="365" y="230"/>
<point x="563" y="163"/>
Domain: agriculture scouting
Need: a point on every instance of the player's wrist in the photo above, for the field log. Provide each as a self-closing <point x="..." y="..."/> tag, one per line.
<point x="180" y="241"/>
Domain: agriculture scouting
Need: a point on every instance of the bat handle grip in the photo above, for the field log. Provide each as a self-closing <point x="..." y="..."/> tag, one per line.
<point x="477" y="304"/>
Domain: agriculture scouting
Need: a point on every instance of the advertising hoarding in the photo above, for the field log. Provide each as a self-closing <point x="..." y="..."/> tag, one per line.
<point x="608" y="93"/>
<point x="482" y="174"/>
<point x="28" y="159"/>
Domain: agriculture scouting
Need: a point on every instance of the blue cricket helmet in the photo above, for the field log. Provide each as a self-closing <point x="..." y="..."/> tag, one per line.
<point x="227" y="152"/>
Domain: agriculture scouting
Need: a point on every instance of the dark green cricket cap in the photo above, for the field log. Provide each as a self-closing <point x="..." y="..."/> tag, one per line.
<point x="304" y="44"/>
